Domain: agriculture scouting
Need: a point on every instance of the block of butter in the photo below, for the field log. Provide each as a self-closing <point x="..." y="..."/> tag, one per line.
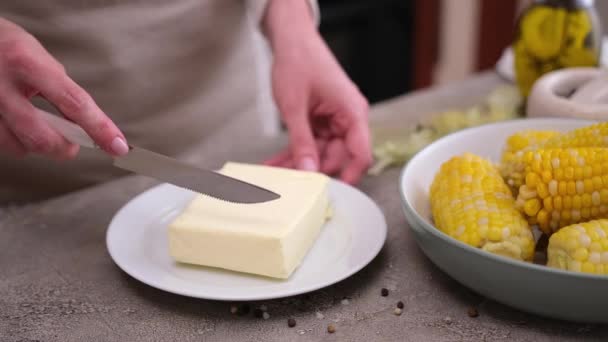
<point x="268" y="239"/>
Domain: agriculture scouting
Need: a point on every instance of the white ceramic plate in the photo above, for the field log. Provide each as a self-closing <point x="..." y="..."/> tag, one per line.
<point x="137" y="242"/>
<point x="526" y="286"/>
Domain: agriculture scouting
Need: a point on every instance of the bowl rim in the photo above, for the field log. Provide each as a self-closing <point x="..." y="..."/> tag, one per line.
<point x="430" y="228"/>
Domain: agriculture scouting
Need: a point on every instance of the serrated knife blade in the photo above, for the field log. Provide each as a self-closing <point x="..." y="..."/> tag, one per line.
<point x="169" y="170"/>
<point x="208" y="182"/>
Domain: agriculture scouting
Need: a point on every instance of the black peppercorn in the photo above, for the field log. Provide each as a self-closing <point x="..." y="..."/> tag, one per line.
<point x="244" y="309"/>
<point x="291" y="322"/>
<point x="258" y="313"/>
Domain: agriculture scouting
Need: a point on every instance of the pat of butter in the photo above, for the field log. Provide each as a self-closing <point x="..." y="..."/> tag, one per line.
<point x="269" y="238"/>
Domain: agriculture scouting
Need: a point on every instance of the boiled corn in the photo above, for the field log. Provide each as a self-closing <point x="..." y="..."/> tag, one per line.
<point x="595" y="135"/>
<point x="511" y="167"/>
<point x="581" y="247"/>
<point x="564" y="187"/>
<point x="471" y="203"/>
<point x="528" y="138"/>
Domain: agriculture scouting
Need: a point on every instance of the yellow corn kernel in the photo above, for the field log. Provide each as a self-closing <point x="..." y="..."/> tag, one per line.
<point x="587" y="172"/>
<point x="557" y="203"/>
<point x="597" y="183"/>
<point x="587" y="200"/>
<point x="558" y="174"/>
<point x="571" y="188"/>
<point x="577" y="202"/>
<point x="542" y="190"/>
<point x="597" y="170"/>
<point x="548" y="204"/>
<point x="532" y="180"/>
<point x="604" y="196"/>
<point x="585" y="213"/>
<point x="566" y="215"/>
<point x="580" y="254"/>
<point x="532" y="207"/>
<point x="567" y="200"/>
<point x="569" y="173"/>
<point x="547" y="176"/>
<point x="562" y="188"/>
<point x="580" y="187"/>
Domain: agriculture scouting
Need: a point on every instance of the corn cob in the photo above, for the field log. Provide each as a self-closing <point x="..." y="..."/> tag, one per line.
<point x="528" y="138"/>
<point x="564" y="186"/>
<point x="471" y="203"/>
<point x="512" y="165"/>
<point x="581" y="247"/>
<point x="595" y="135"/>
<point x="516" y="144"/>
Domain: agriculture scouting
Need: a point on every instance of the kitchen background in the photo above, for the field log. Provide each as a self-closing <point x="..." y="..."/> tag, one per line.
<point x="390" y="47"/>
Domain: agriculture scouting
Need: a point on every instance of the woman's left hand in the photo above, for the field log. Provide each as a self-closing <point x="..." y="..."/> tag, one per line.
<point x="325" y="113"/>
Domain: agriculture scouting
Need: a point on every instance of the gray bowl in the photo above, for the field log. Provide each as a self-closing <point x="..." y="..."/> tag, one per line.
<point x="526" y="286"/>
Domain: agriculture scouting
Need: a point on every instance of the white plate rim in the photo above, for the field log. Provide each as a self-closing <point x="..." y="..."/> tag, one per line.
<point x="429" y="228"/>
<point x="381" y="229"/>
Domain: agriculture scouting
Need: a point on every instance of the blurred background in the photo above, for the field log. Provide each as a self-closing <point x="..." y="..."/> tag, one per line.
<point x="391" y="47"/>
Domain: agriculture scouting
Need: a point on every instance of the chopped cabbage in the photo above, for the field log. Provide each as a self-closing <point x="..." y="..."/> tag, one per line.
<point x="503" y="103"/>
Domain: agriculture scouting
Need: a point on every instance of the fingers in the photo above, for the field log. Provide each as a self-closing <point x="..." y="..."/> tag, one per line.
<point x="358" y="146"/>
<point x="9" y="144"/>
<point x="334" y="157"/>
<point x="279" y="159"/>
<point x="31" y="131"/>
<point x="79" y="107"/>
<point x="285" y="158"/>
<point x="27" y="69"/>
<point x="302" y="143"/>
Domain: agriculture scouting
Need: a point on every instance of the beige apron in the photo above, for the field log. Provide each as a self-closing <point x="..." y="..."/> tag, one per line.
<point x="167" y="72"/>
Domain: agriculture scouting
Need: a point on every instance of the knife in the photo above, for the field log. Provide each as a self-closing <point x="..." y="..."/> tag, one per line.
<point x="169" y="170"/>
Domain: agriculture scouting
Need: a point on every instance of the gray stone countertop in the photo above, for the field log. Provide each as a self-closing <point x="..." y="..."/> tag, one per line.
<point x="58" y="283"/>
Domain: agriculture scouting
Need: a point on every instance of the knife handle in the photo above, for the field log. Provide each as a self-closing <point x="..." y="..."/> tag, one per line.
<point x="72" y="132"/>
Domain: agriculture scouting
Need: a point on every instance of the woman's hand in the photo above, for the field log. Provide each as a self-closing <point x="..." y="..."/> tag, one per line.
<point x="324" y="112"/>
<point x="28" y="70"/>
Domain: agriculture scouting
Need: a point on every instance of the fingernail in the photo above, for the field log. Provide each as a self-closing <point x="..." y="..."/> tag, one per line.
<point x="307" y="164"/>
<point x="119" y="146"/>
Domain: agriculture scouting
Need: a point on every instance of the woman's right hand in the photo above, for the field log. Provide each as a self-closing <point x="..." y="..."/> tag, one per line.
<point x="28" y="70"/>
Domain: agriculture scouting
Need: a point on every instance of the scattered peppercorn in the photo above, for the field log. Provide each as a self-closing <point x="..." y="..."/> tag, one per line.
<point x="291" y="322"/>
<point x="448" y="320"/>
<point x="258" y="313"/>
<point x="331" y="329"/>
<point x="473" y="312"/>
<point x="398" y="311"/>
<point x="234" y="309"/>
<point x="266" y="315"/>
<point x="400" y="305"/>
<point x="384" y="292"/>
